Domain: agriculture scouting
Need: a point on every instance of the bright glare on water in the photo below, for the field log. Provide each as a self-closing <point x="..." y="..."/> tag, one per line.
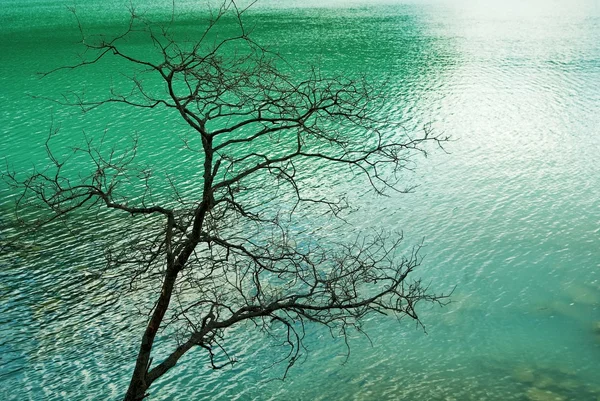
<point x="510" y="214"/>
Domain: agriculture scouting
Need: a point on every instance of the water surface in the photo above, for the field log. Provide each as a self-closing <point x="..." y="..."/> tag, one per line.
<point x="510" y="216"/>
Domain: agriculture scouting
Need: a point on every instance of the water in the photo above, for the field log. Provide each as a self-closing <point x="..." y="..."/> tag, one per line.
<point x="510" y="216"/>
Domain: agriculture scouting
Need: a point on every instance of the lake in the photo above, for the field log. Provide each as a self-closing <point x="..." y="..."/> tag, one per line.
<point x="509" y="214"/>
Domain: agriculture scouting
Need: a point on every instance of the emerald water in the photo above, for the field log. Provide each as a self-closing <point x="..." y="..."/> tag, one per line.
<point x="510" y="215"/>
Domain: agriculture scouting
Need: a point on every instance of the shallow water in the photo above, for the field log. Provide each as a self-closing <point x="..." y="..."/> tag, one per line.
<point x="510" y="216"/>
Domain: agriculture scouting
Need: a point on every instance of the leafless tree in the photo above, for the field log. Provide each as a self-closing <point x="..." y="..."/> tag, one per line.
<point x="228" y="252"/>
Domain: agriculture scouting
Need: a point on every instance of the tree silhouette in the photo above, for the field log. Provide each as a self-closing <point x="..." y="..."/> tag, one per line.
<point x="230" y="250"/>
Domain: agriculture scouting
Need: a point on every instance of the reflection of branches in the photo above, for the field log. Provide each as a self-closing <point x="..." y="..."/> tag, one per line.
<point x="224" y="257"/>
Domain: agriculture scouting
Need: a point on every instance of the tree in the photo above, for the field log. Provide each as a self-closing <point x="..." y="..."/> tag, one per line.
<point x="232" y="250"/>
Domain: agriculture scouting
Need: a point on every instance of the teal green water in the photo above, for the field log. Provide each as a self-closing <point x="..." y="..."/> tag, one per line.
<point x="510" y="216"/>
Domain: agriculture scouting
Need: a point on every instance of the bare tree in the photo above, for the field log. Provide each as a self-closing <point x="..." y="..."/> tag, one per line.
<point x="229" y="251"/>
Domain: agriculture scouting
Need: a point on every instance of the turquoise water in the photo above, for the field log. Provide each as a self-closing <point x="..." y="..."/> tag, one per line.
<point x="510" y="216"/>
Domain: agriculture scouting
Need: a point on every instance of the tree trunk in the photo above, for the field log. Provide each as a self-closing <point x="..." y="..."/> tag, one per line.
<point x="137" y="390"/>
<point x="139" y="379"/>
